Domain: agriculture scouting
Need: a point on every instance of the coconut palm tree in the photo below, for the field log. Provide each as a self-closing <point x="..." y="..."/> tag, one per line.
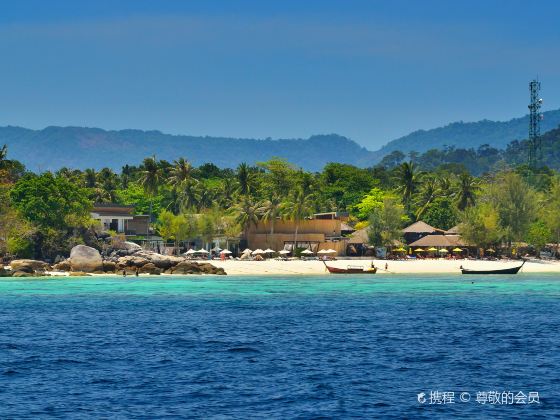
<point x="298" y="207"/>
<point x="467" y="188"/>
<point x="408" y="180"/>
<point x="428" y="192"/>
<point x="243" y="176"/>
<point x="180" y="173"/>
<point x="90" y="178"/>
<point x="150" y="179"/>
<point x="270" y="210"/>
<point x="246" y="213"/>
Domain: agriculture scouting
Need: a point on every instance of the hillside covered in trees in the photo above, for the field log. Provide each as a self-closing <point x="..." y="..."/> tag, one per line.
<point x="42" y="215"/>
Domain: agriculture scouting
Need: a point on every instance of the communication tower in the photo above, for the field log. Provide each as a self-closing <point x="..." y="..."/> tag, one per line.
<point x="535" y="117"/>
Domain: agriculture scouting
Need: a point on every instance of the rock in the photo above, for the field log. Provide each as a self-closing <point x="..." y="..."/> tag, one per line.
<point x="29" y="266"/>
<point x="187" y="267"/>
<point x="160" y="261"/>
<point x="131" y="261"/>
<point x="149" y="268"/>
<point x="78" y="274"/>
<point x="85" y="259"/>
<point x="21" y="274"/>
<point x="130" y="246"/>
<point x="63" y="266"/>
<point x="109" y="266"/>
<point x="5" y="273"/>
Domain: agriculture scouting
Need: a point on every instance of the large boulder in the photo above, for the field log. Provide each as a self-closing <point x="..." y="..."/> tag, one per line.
<point x="131" y="261"/>
<point x="63" y="266"/>
<point x="85" y="259"/>
<point x="149" y="268"/>
<point x="29" y="266"/>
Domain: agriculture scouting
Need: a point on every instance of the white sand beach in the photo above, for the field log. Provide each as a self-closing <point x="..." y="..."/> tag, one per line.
<point x="441" y="266"/>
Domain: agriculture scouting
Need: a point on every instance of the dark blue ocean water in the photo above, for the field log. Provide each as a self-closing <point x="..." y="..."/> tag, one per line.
<point x="239" y="347"/>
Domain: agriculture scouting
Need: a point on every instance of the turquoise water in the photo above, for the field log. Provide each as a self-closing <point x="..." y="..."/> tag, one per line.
<point x="280" y="347"/>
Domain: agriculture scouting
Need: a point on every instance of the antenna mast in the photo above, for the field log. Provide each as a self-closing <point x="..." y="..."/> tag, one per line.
<point x="535" y="117"/>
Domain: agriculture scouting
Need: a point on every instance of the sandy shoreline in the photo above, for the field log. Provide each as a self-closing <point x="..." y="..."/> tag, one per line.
<point x="297" y="267"/>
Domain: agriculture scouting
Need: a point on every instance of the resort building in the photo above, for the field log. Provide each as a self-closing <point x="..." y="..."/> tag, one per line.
<point x="120" y="218"/>
<point x="418" y="230"/>
<point x="322" y="231"/>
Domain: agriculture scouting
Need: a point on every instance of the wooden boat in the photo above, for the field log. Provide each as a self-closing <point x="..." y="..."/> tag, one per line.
<point x="351" y="269"/>
<point x="512" y="270"/>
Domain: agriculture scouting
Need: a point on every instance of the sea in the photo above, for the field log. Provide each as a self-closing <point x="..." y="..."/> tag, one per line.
<point x="233" y="347"/>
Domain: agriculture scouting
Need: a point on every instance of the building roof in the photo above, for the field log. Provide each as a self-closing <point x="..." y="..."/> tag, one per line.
<point x="420" y="227"/>
<point x="453" y="231"/>
<point x="344" y="227"/>
<point x="439" y="240"/>
<point x="359" y="237"/>
<point x="111" y="206"/>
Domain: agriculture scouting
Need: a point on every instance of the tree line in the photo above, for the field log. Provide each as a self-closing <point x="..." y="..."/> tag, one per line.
<point x="44" y="214"/>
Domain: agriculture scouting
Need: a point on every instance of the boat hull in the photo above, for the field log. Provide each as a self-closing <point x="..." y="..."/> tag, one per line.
<point x="513" y="270"/>
<point x="336" y="270"/>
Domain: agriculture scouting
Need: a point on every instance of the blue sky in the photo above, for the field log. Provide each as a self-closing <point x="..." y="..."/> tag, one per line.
<point x="369" y="70"/>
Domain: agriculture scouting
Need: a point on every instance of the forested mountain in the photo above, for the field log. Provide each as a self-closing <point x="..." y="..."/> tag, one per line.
<point x="477" y="145"/>
<point x="468" y="135"/>
<point x="55" y="147"/>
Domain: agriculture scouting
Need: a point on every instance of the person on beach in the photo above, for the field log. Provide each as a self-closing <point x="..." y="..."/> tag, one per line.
<point x="136" y="274"/>
<point x="124" y="273"/>
<point x="386" y="266"/>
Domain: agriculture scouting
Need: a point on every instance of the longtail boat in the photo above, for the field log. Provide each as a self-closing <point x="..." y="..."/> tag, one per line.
<point x="351" y="269"/>
<point x="512" y="270"/>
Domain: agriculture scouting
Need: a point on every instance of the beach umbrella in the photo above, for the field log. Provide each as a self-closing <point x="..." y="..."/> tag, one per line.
<point x="202" y="251"/>
<point x="307" y="252"/>
<point x="432" y="249"/>
<point x="490" y="250"/>
<point x="457" y="250"/>
<point x="284" y="251"/>
<point x="444" y="251"/>
<point x="216" y="249"/>
<point x="323" y="251"/>
<point x="331" y="251"/>
<point x="269" y="251"/>
<point x="401" y="249"/>
<point x="190" y="252"/>
<point x="257" y="251"/>
<point x="225" y="251"/>
<point x="418" y="250"/>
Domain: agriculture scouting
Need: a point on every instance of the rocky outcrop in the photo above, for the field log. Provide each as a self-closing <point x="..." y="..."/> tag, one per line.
<point x="149" y="268"/>
<point x="189" y="267"/>
<point x="29" y="266"/>
<point x="63" y="266"/>
<point x="109" y="266"/>
<point x="85" y="259"/>
<point x="78" y="274"/>
<point x="5" y="272"/>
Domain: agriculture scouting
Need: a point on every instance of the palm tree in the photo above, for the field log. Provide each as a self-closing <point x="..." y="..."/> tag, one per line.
<point x="243" y="176"/>
<point x="90" y="178"/>
<point x="428" y="192"/>
<point x="408" y="179"/>
<point x="466" y="191"/>
<point x="180" y="173"/>
<point x="246" y="213"/>
<point x="271" y="210"/>
<point x="150" y="179"/>
<point x="298" y="208"/>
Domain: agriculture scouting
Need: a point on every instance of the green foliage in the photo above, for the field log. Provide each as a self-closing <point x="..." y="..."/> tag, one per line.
<point x="386" y="222"/>
<point x="20" y="247"/>
<point x="134" y="195"/>
<point x="480" y="225"/>
<point x="371" y="202"/>
<point x="539" y="235"/>
<point x="51" y="202"/>
<point x="441" y="213"/>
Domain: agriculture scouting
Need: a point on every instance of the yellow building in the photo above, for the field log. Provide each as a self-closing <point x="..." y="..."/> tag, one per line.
<point x="322" y="231"/>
